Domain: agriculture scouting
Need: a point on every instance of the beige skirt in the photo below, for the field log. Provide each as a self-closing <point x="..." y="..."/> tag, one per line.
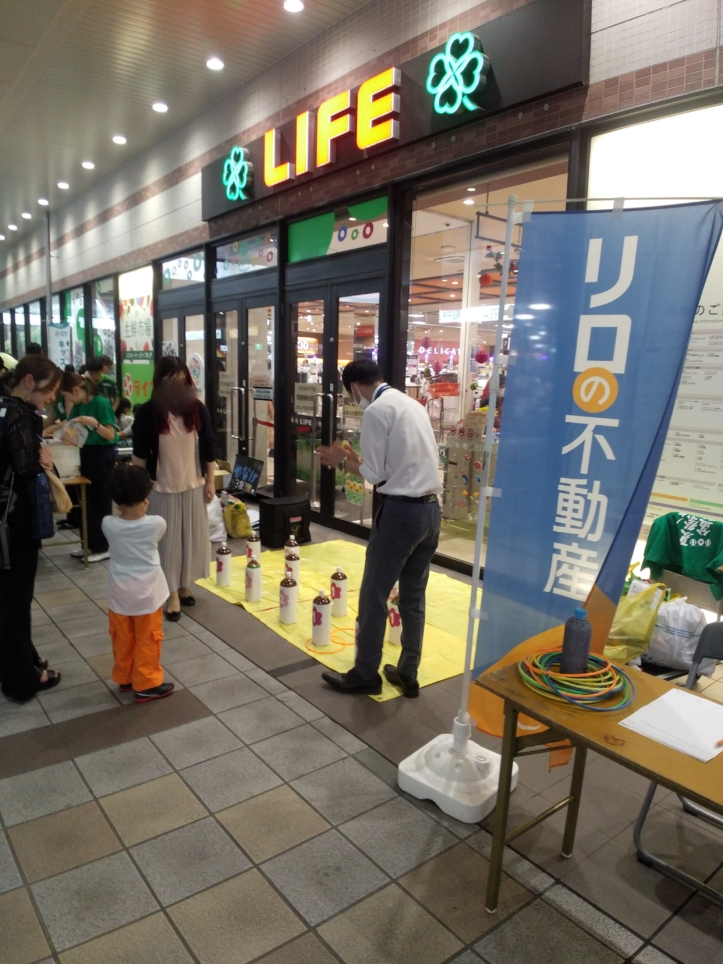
<point x="185" y="547"/>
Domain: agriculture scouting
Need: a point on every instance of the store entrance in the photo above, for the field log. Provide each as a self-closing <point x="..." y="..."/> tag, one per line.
<point x="183" y="335"/>
<point x="244" y="379"/>
<point x="331" y="325"/>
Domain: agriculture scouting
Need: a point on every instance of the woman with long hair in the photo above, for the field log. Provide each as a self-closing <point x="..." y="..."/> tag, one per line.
<point x="97" y="456"/>
<point x="173" y="439"/>
<point x="29" y="387"/>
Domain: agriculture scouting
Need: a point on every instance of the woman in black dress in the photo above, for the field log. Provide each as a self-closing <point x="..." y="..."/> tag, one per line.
<point x="31" y="386"/>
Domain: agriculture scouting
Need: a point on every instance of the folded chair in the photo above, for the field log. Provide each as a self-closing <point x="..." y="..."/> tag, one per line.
<point x="710" y="646"/>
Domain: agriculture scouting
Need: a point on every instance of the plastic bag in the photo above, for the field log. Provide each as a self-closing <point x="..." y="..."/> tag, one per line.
<point x="59" y="494"/>
<point x="238" y="524"/>
<point x="216" y="527"/>
<point x="72" y="433"/>
<point x="633" y="624"/>
<point x="675" y="636"/>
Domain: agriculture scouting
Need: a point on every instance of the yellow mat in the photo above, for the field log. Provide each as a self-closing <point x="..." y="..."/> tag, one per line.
<point x="447" y="606"/>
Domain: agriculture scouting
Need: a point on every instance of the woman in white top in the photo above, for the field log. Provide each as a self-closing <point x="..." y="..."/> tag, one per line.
<point x="173" y="439"/>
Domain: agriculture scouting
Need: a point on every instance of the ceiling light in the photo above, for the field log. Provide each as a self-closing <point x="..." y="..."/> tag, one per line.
<point x="159" y="107"/>
<point x="63" y="185"/>
<point x="214" y="63"/>
<point x="540" y="307"/>
<point x="444" y="279"/>
<point x="26" y="215"/>
<point x="43" y="202"/>
<point x="471" y="190"/>
<point x="12" y="227"/>
<point x="88" y="165"/>
<point x="455" y="282"/>
<point x="2" y="237"/>
<point x="453" y="296"/>
<point x="293" y="6"/>
<point x="468" y="200"/>
<point x="119" y="139"/>
<point x="351" y="218"/>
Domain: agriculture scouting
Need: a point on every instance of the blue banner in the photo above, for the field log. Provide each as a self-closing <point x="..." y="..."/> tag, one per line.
<point x="604" y="308"/>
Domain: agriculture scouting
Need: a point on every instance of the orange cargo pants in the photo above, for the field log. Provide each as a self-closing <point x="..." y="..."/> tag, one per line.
<point x="137" y="649"/>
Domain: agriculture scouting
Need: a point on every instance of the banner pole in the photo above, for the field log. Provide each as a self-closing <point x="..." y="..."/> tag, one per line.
<point x="462" y="727"/>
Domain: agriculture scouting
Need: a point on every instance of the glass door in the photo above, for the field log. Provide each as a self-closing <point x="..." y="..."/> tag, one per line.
<point x="195" y="351"/>
<point x="244" y="373"/>
<point x="307" y="317"/>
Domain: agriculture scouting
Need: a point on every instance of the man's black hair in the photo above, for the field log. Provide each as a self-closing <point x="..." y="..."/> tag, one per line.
<point x="33" y="348"/>
<point x="129" y="484"/>
<point x="107" y="360"/>
<point x="124" y="405"/>
<point x="95" y="365"/>
<point x="363" y="371"/>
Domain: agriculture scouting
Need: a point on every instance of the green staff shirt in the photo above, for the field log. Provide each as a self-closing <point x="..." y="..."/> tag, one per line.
<point x="688" y="545"/>
<point x="108" y="388"/>
<point x="101" y="409"/>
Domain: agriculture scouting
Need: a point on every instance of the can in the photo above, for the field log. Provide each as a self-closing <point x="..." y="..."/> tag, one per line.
<point x="291" y="546"/>
<point x="223" y="565"/>
<point x="394" y="620"/>
<point x="339" y="584"/>
<point x="288" y="600"/>
<point x="321" y="620"/>
<point x="253" y="547"/>
<point x="253" y="581"/>
<point x="293" y="565"/>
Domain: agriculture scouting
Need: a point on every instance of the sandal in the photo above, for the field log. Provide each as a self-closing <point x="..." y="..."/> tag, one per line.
<point x="187" y="600"/>
<point x="41" y="664"/>
<point x="52" y="680"/>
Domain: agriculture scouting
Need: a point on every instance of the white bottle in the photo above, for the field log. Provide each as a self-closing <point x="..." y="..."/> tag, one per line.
<point x="339" y="584"/>
<point x="288" y="600"/>
<point x="223" y="565"/>
<point x="293" y="565"/>
<point x="394" y="620"/>
<point x="253" y="547"/>
<point x="321" y="620"/>
<point x="253" y="581"/>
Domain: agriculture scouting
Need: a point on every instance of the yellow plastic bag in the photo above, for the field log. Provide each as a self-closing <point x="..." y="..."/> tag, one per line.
<point x="237" y="522"/>
<point x="633" y="624"/>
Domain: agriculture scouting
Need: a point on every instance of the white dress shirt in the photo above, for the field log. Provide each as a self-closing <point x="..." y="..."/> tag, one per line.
<point x="398" y="446"/>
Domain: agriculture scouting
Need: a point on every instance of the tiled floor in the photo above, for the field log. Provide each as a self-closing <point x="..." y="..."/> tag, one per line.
<point x="254" y="816"/>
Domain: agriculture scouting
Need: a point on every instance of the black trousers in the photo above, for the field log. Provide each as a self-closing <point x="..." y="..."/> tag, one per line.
<point x="96" y="464"/>
<point x="18" y="677"/>
<point x="403" y="540"/>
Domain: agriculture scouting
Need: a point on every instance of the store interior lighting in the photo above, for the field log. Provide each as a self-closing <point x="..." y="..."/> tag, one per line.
<point x="88" y="165"/>
<point x="43" y="202"/>
<point x="293" y="6"/>
<point x="63" y="185"/>
<point x="159" y="107"/>
<point x="119" y="139"/>
<point x="215" y="63"/>
<point x="26" y="215"/>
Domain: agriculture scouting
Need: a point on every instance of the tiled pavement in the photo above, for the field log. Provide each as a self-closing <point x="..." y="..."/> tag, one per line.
<point x="254" y="816"/>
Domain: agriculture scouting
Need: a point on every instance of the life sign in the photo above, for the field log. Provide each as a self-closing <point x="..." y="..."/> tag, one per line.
<point x="540" y="48"/>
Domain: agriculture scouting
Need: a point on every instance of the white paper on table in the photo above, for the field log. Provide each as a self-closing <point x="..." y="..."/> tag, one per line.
<point x="683" y="721"/>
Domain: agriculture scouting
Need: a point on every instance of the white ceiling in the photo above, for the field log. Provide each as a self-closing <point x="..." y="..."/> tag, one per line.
<point x="75" y="72"/>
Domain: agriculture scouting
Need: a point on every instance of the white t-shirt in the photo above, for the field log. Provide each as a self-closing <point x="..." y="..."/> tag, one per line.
<point x="136" y="584"/>
<point x="398" y="446"/>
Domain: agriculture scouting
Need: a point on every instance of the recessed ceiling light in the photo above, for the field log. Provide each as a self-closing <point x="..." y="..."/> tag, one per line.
<point x="352" y="219"/>
<point x="119" y="139"/>
<point x="12" y="227"/>
<point x="159" y="107"/>
<point x="468" y="200"/>
<point x="293" y="6"/>
<point x="88" y="165"/>
<point x="452" y="296"/>
<point x="2" y="237"/>
<point x="63" y="185"/>
<point x="471" y="189"/>
<point x="444" y="279"/>
<point x="43" y="202"/>
<point x="214" y="63"/>
<point x="455" y="282"/>
<point x="26" y="215"/>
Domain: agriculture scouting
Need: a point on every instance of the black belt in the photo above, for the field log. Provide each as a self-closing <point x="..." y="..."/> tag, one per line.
<point x="411" y="498"/>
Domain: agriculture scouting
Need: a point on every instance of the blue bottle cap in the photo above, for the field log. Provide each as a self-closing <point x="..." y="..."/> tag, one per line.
<point x="580" y="614"/>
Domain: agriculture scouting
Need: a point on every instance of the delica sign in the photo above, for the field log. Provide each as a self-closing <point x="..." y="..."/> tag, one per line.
<point x="542" y="47"/>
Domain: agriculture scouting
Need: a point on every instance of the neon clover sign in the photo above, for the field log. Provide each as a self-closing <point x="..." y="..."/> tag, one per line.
<point x="237" y="174"/>
<point x="460" y="70"/>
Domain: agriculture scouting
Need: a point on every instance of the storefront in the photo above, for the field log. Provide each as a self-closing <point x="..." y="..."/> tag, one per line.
<point x="408" y="272"/>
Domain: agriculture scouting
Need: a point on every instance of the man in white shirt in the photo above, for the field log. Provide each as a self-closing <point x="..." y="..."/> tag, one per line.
<point x="399" y="455"/>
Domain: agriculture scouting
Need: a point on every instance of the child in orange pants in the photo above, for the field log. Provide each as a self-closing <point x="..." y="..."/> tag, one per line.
<point x="137" y="588"/>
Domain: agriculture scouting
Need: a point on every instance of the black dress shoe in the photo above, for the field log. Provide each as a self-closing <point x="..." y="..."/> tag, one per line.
<point x="173" y="616"/>
<point x="408" y="684"/>
<point x="352" y="682"/>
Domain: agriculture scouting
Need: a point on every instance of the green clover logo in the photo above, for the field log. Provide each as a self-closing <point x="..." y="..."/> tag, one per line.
<point x="236" y="174"/>
<point x="457" y="72"/>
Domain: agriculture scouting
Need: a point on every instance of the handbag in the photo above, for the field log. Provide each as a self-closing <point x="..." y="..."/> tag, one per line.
<point x="59" y="494"/>
<point x="41" y="507"/>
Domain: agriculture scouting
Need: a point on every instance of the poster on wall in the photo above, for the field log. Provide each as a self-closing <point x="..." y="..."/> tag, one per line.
<point x="59" y="343"/>
<point x="136" y="334"/>
<point x="603" y="314"/>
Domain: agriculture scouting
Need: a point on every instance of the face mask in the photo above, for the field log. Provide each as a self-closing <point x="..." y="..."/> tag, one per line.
<point x="362" y="402"/>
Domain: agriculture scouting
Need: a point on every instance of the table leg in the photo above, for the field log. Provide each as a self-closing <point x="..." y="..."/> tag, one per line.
<point x="502" y="809"/>
<point x="573" y="807"/>
<point x="84" y="525"/>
